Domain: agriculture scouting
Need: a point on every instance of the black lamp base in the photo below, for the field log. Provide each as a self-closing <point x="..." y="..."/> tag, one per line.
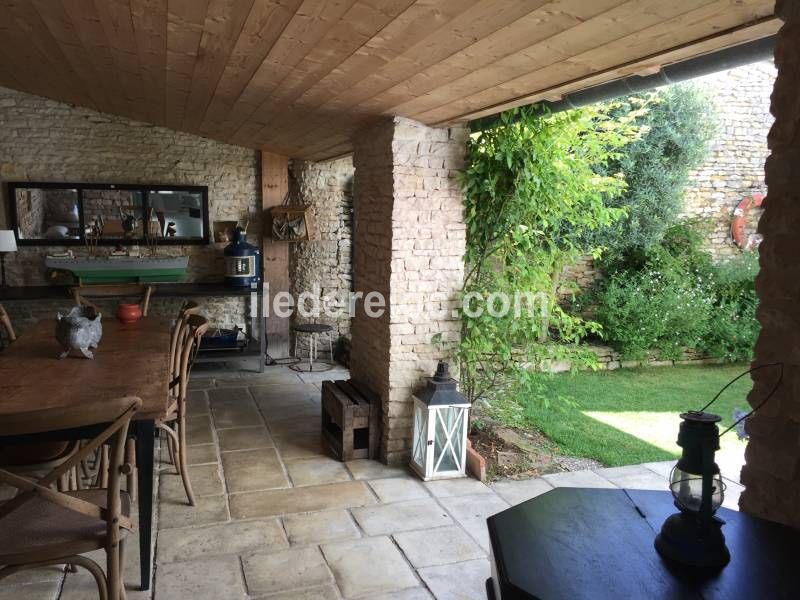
<point x="685" y="541"/>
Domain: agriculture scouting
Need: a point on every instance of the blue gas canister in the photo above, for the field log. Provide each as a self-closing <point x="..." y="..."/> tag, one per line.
<point x="242" y="261"/>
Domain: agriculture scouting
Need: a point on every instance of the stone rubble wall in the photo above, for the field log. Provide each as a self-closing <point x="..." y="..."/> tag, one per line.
<point x="735" y="164"/>
<point x="771" y="474"/>
<point x="409" y="244"/>
<point x="611" y="360"/>
<point x="323" y="266"/>
<point x="44" y="140"/>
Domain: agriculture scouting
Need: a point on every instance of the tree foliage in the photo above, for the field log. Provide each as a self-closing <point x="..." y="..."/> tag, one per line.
<point x="677" y="124"/>
<point x="534" y="186"/>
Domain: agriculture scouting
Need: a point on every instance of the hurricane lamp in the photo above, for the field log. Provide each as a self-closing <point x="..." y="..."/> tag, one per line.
<point x="441" y="417"/>
<point x="693" y="537"/>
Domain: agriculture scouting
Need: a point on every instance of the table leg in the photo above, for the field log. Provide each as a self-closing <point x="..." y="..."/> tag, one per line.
<point x="145" y="446"/>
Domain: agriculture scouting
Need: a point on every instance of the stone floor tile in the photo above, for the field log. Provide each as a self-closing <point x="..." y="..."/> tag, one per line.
<point x="398" y="489"/>
<point x="202" y="454"/>
<point x="372" y="469"/>
<point x="463" y="486"/>
<point x="303" y="421"/>
<point x="200" y="383"/>
<point x="634" y="477"/>
<point x="197" y="403"/>
<point x="225" y="395"/>
<point x="272" y="375"/>
<point x="334" y="374"/>
<point x="40" y="575"/>
<point x="205" y="482"/>
<point x="301" y="445"/>
<point x="478" y="506"/>
<point x="82" y="586"/>
<point x="663" y="468"/>
<point x="211" y="509"/>
<point x="44" y="590"/>
<point x="401" y="516"/>
<point x="201" y="579"/>
<point x="180" y="545"/>
<point x="298" y="500"/>
<point x="458" y="581"/>
<point x="281" y="394"/>
<point x="326" y="592"/>
<point x="582" y="479"/>
<point x="244" y="438"/>
<point x="440" y="546"/>
<point x="239" y="413"/>
<point x="518" y="491"/>
<point x="292" y="569"/>
<point x="198" y="430"/>
<point x="368" y="567"/>
<point x="320" y="527"/>
<point x="250" y="470"/>
<point x="732" y="492"/>
<point x="418" y="593"/>
<point x="316" y="471"/>
<point x="472" y="511"/>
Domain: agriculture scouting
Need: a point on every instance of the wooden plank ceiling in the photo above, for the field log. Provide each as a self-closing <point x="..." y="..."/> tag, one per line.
<point x="299" y="77"/>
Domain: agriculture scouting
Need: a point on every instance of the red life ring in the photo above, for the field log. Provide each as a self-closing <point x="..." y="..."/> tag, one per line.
<point x="739" y="220"/>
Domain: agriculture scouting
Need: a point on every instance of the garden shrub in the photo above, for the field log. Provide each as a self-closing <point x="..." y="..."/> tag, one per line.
<point x="678" y="123"/>
<point x="733" y="328"/>
<point x="672" y="297"/>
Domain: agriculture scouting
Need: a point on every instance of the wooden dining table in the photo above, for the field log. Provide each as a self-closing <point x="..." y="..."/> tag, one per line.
<point x="131" y="360"/>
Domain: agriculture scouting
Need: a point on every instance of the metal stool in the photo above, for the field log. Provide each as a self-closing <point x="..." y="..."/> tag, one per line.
<point x="313" y="330"/>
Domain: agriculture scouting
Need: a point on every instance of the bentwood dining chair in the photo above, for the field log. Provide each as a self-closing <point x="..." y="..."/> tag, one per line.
<point x="189" y="332"/>
<point x="5" y="326"/>
<point x="41" y="526"/>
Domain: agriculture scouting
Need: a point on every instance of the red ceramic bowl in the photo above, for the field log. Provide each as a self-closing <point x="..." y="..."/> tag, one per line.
<point x="129" y="313"/>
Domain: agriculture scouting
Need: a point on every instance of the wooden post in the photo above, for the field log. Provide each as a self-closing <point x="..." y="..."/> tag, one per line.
<point x="274" y="187"/>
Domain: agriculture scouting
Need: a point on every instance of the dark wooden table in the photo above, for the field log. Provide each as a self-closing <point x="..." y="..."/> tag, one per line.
<point x="574" y="543"/>
<point x="132" y="360"/>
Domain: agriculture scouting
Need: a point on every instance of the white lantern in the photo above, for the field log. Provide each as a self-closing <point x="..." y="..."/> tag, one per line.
<point x="441" y="419"/>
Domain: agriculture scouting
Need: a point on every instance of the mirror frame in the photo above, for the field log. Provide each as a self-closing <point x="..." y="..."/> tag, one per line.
<point x="13" y="186"/>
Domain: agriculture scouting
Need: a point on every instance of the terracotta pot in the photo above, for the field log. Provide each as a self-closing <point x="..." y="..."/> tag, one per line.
<point x="129" y="313"/>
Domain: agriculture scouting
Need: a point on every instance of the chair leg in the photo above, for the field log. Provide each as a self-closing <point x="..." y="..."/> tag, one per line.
<point x="182" y="455"/>
<point x="130" y="458"/>
<point x="122" y="594"/>
<point x="113" y="579"/>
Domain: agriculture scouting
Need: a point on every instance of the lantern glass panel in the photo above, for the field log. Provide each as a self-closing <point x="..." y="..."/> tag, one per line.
<point x="447" y="441"/>
<point x="420" y="434"/>
<point x="688" y="489"/>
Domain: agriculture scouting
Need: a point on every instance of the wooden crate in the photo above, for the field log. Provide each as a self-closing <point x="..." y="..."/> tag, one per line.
<point x="350" y="417"/>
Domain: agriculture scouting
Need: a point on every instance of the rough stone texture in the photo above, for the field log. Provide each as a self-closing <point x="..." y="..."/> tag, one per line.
<point x="409" y="241"/>
<point x="735" y="164"/>
<point x="323" y="267"/>
<point x="771" y="474"/>
<point x="44" y="140"/>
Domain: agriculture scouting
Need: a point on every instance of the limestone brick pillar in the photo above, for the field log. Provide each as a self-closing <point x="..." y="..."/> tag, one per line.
<point x="772" y="471"/>
<point x="408" y="245"/>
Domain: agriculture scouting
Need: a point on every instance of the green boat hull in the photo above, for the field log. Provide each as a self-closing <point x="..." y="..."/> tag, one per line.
<point x="123" y="271"/>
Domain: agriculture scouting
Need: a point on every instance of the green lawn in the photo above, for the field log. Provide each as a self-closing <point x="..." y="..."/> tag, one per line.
<point x="630" y="416"/>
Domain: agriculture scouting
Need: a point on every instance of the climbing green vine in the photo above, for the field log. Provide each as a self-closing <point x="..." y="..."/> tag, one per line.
<point x="534" y="186"/>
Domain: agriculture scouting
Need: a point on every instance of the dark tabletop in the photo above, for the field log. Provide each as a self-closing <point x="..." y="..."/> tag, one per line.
<point x="574" y="543"/>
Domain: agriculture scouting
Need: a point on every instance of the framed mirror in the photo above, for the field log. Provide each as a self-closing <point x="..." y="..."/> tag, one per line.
<point x="49" y="214"/>
<point x="58" y="214"/>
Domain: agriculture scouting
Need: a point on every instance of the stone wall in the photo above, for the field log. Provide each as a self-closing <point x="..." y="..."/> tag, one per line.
<point x="409" y="243"/>
<point x="43" y="140"/>
<point x="735" y="164"/>
<point x="323" y="267"/>
<point x="772" y="470"/>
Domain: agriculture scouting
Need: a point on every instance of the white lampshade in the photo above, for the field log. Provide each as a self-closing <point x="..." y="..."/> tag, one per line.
<point x="7" y="241"/>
